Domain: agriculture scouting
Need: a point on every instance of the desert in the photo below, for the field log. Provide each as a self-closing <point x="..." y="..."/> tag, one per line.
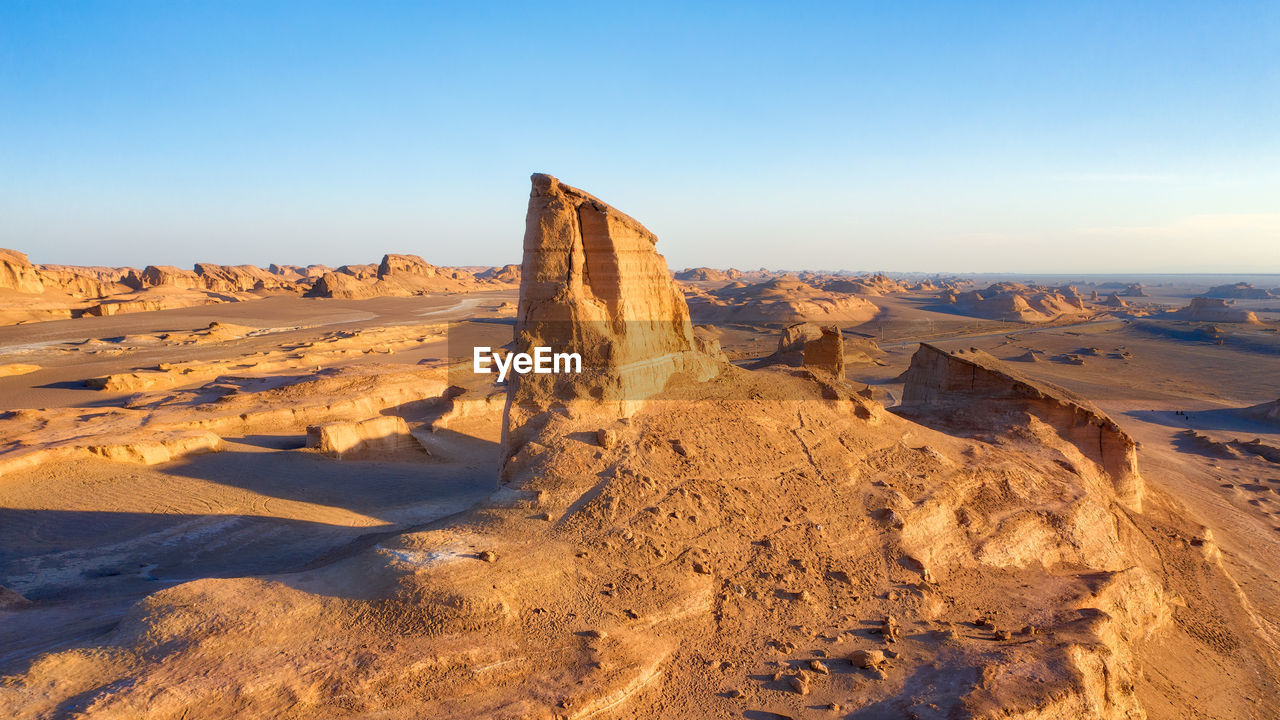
<point x="306" y="505"/>
<point x="758" y="361"/>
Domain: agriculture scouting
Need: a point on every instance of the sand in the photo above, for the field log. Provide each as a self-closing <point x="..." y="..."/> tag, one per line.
<point x="724" y="552"/>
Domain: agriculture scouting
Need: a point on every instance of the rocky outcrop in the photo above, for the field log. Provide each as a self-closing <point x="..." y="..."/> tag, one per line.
<point x="1205" y="309"/>
<point x="80" y="285"/>
<point x="1238" y="291"/>
<point x="241" y="278"/>
<point x="396" y="264"/>
<point x="1267" y="412"/>
<point x="795" y="337"/>
<point x="972" y="386"/>
<point x="158" y="275"/>
<point x="504" y="274"/>
<point x="783" y="300"/>
<point x="877" y="284"/>
<point x="341" y="285"/>
<point x="593" y="283"/>
<point x="706" y="274"/>
<point x="1012" y="302"/>
<point x="17" y="273"/>
<point x="826" y="353"/>
<point x="343" y="439"/>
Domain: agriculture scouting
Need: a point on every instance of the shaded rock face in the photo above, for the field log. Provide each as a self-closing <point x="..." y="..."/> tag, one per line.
<point x="593" y="283"/>
<point x="979" y="386"/>
<point x="826" y="352"/>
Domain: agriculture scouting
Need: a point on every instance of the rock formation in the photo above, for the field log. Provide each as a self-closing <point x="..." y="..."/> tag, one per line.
<point x="17" y="273"/>
<point x="592" y="282"/>
<point x="504" y="274"/>
<point x="1206" y="309"/>
<point x="344" y="438"/>
<point x="794" y="337"/>
<point x="826" y="353"/>
<point x="1238" y="291"/>
<point x="54" y="292"/>
<point x="1267" y="412"/>
<point x="1013" y="302"/>
<point x="975" y="387"/>
<point x="706" y="274"/>
<point x="782" y="300"/>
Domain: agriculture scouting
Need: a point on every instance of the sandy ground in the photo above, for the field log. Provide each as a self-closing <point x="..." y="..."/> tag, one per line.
<point x="85" y="540"/>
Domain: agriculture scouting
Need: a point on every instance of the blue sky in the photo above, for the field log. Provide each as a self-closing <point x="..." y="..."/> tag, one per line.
<point x="966" y="136"/>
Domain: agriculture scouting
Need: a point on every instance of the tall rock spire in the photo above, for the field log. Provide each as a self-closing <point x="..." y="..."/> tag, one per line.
<point x="593" y="283"/>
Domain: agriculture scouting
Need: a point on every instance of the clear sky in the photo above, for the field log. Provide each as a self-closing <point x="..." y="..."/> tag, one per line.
<point x="965" y="136"/>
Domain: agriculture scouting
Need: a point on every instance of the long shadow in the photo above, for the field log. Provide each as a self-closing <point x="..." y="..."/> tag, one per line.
<point x="368" y="487"/>
<point x="83" y="570"/>
<point x="1226" y="419"/>
<point x="934" y="692"/>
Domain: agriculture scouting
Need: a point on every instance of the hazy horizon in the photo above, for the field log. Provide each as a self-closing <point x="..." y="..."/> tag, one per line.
<point x="1063" y="139"/>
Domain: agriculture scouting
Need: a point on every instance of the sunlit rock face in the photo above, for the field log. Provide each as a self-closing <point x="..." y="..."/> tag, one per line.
<point x="593" y="283"/>
<point x="972" y="386"/>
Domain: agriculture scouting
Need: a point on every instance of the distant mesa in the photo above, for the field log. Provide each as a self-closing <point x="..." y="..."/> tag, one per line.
<point x="1239" y="291"/>
<point x="1206" y="309"/>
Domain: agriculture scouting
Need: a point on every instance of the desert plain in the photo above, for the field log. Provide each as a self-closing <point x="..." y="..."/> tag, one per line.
<point x="283" y="492"/>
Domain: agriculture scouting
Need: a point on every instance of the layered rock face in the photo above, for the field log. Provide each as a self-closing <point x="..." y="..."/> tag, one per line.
<point x="593" y="283"/>
<point x="975" y="385"/>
